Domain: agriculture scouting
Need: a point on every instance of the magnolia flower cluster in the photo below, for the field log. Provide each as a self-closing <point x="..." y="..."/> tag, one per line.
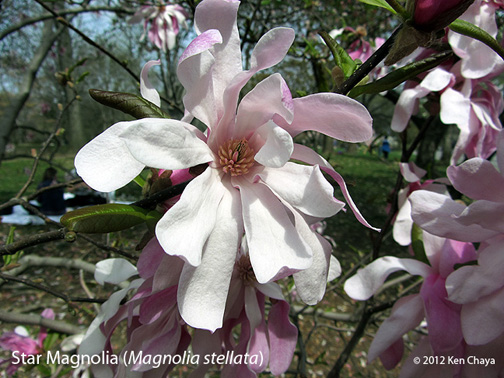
<point x="240" y="225"/>
<point x="162" y="23"/>
<point x="459" y="304"/>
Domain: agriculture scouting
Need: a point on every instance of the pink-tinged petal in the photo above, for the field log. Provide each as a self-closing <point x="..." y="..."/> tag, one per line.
<point x="157" y="305"/>
<point x="271" y="96"/>
<point x="455" y="252"/>
<point x="406" y="314"/>
<point x="406" y="106"/>
<point x="252" y="308"/>
<point x="435" y="213"/>
<point x="269" y="51"/>
<point x="275" y="247"/>
<point x="308" y="190"/>
<point x="203" y="290"/>
<point x="117" y="167"/>
<point x="282" y="336"/>
<point x="221" y="15"/>
<point x="411" y="172"/>
<point x="195" y="74"/>
<point x="147" y="90"/>
<point x="337" y="116"/>
<point x="13" y="341"/>
<point x="114" y="271"/>
<point x="196" y="210"/>
<point x="258" y="345"/>
<point x="309" y="156"/>
<point x="271" y="48"/>
<point x="483" y="213"/>
<point x="167" y="272"/>
<point x="478" y="60"/>
<point x="482" y="320"/>
<point x="443" y="316"/>
<point x="311" y="283"/>
<point x="205" y="343"/>
<point x="470" y="283"/>
<point x="270" y="289"/>
<point x="166" y="144"/>
<point x="369" y="279"/>
<point x="500" y="153"/>
<point x="150" y="258"/>
<point x="392" y="355"/>
<point x="94" y="340"/>
<point x="478" y="179"/>
<point x="278" y="147"/>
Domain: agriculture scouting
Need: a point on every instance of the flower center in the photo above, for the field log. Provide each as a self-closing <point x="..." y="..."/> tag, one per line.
<point x="236" y="157"/>
<point x="245" y="271"/>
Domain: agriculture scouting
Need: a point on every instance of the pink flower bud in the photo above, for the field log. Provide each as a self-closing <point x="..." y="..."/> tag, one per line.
<point x="433" y="15"/>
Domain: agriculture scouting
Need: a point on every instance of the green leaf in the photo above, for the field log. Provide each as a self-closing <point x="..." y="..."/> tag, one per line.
<point x="128" y="103"/>
<point x="400" y="75"/>
<point x="473" y="31"/>
<point x="341" y="57"/>
<point x="417" y="244"/>
<point x="108" y="218"/>
<point x="50" y="340"/>
<point x="379" y="3"/>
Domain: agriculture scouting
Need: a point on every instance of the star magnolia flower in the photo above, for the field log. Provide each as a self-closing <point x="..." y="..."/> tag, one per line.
<point x="403" y="222"/>
<point x="165" y="21"/>
<point x="482" y="220"/>
<point x="249" y="185"/>
<point x="478" y="60"/>
<point x="443" y="316"/>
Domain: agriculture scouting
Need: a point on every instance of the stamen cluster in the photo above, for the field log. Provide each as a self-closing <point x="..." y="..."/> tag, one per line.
<point x="236" y="157"/>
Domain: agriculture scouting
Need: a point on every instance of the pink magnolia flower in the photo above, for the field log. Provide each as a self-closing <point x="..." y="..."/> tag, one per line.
<point x="442" y="316"/>
<point x="20" y="341"/>
<point x="403" y="223"/>
<point x="473" y="105"/>
<point x="165" y="22"/>
<point x="482" y="219"/>
<point x="249" y="185"/>
<point x="478" y="60"/>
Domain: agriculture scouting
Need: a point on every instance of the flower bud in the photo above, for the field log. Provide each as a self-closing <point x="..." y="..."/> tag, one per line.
<point x="434" y="15"/>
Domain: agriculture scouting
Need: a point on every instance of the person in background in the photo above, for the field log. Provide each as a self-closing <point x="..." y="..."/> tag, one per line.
<point x="51" y="201"/>
<point x="385" y="147"/>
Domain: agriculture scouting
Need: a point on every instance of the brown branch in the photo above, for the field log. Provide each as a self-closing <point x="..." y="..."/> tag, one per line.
<point x="37" y="320"/>
<point x="29" y="241"/>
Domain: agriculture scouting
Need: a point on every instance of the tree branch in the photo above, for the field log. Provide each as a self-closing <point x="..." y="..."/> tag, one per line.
<point x="32" y="319"/>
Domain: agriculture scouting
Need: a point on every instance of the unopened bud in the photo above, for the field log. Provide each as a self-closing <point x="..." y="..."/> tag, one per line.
<point x="434" y="15"/>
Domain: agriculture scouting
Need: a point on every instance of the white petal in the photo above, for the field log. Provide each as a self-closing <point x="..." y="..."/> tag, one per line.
<point x="368" y="280"/>
<point x="114" y="271"/>
<point x="278" y="147"/>
<point x="166" y="144"/>
<point x="106" y="163"/>
<point x="304" y="187"/>
<point x="275" y="247"/>
<point x="203" y="290"/>
<point x="185" y="228"/>
<point x="147" y="90"/>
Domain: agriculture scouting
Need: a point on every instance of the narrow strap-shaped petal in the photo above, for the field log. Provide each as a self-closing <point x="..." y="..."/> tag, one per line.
<point x="147" y="90"/>
<point x="369" y="279"/>
<point x="195" y="211"/>
<point x="304" y="187"/>
<point x="337" y="116"/>
<point x="114" y="271"/>
<point x="275" y="247"/>
<point x="271" y="96"/>
<point x="406" y="314"/>
<point x="282" y="336"/>
<point x="309" y="156"/>
<point x="203" y="290"/>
